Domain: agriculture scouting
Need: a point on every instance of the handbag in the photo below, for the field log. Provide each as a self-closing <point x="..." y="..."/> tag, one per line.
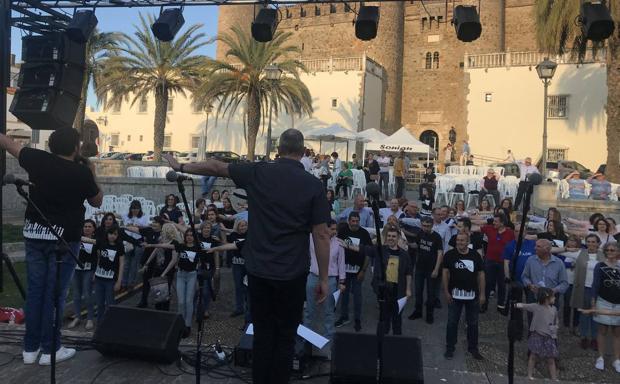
<point x="159" y="292"/>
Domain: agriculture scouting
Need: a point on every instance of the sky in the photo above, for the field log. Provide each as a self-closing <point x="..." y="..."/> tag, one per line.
<point x="124" y="20"/>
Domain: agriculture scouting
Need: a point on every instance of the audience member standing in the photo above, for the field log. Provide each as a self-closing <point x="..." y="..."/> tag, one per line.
<point x="359" y="205"/>
<point x="384" y="174"/>
<point x="525" y="168"/>
<point x="399" y="174"/>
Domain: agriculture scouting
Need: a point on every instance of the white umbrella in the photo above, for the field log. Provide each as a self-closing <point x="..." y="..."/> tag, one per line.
<point x="334" y="132"/>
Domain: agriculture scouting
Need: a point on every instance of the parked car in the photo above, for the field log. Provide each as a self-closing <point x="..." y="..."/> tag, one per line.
<point x="106" y="155"/>
<point x="225" y="156"/>
<point x="510" y="169"/>
<point x="186" y="157"/>
<point x="559" y="169"/>
<point x="149" y="156"/>
<point x="134" y="156"/>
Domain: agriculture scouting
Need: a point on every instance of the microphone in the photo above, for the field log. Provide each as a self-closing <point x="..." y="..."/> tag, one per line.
<point x="373" y="190"/>
<point x="11" y="179"/>
<point x="534" y="178"/>
<point x="172" y="176"/>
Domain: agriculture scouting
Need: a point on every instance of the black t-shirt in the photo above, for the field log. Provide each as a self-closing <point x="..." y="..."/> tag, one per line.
<point x="60" y="188"/>
<point x="476" y="241"/>
<point x="173" y="215"/>
<point x="190" y="256"/>
<point x="354" y="261"/>
<point x="551" y="237"/>
<point x="609" y="285"/>
<point x="87" y="256"/>
<point x="429" y="177"/>
<point x="236" y="256"/>
<point x="463" y="283"/>
<point x="428" y="245"/>
<point x="160" y="261"/>
<point x="231" y="212"/>
<point x="108" y="257"/>
<point x="285" y="202"/>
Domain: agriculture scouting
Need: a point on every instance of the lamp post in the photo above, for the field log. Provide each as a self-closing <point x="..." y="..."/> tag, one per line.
<point x="545" y="70"/>
<point x="273" y="74"/>
<point x="203" y="141"/>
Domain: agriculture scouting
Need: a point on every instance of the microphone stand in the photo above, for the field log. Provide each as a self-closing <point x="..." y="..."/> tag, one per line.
<point x="515" y="324"/>
<point x="61" y="248"/>
<point x="199" y="308"/>
<point x="381" y="290"/>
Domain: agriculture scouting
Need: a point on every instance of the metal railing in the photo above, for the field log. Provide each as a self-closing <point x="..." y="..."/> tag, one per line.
<point x="332" y="64"/>
<point x="508" y="59"/>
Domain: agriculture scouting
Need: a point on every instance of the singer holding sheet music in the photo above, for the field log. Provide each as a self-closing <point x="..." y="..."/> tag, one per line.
<point x="61" y="180"/>
<point x="286" y="204"/>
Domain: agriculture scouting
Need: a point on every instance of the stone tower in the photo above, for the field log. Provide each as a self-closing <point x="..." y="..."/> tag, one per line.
<point x="229" y="16"/>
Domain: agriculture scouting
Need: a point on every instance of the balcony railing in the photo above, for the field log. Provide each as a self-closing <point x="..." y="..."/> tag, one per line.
<point x="333" y="64"/>
<point x="513" y="59"/>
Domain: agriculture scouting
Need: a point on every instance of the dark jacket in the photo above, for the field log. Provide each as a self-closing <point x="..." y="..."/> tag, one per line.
<point x="404" y="268"/>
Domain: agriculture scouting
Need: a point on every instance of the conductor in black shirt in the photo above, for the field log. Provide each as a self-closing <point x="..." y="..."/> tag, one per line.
<point x="286" y="204"/>
<point x="61" y="184"/>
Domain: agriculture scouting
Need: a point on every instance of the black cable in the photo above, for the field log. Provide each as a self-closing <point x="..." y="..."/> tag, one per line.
<point x="12" y="358"/>
<point x="106" y="367"/>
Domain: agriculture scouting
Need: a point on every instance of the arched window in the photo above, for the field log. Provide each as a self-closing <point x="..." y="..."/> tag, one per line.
<point x="428" y="60"/>
<point x="430" y="138"/>
<point x="436" y="60"/>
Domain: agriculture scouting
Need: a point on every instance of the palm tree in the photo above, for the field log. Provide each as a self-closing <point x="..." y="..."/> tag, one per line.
<point x="241" y="81"/>
<point x="557" y="33"/>
<point x="144" y="64"/>
<point x="98" y="47"/>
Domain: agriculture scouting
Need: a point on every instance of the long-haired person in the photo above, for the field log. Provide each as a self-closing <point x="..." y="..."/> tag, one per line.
<point x="170" y="210"/>
<point x="83" y="278"/>
<point x="134" y="220"/>
<point x="162" y="261"/>
<point x="239" y="233"/>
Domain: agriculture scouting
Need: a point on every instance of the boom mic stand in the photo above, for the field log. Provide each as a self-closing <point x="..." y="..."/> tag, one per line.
<point x="61" y="248"/>
<point x="373" y="191"/>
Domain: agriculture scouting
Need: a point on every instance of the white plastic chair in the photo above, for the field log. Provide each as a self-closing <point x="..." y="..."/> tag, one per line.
<point x="391" y="183"/>
<point x="359" y="183"/>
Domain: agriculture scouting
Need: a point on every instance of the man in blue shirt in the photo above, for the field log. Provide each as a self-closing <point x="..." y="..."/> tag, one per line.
<point x="528" y="248"/>
<point x="366" y="217"/>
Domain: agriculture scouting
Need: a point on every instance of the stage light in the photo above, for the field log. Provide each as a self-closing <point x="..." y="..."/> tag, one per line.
<point x="82" y="26"/>
<point x="466" y="23"/>
<point x="265" y="24"/>
<point x="168" y="24"/>
<point x="596" y="21"/>
<point x="367" y="22"/>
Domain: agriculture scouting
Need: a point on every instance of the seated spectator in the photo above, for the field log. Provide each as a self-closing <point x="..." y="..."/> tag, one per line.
<point x="365" y="213"/>
<point x="460" y="209"/>
<point x="215" y="196"/>
<point x="576" y="186"/>
<point x="201" y="210"/>
<point x="485" y="207"/>
<point x="227" y="210"/>
<point x="170" y="211"/>
<point x="334" y="204"/>
<point x="601" y="229"/>
<point x="489" y="186"/>
<point x="428" y="181"/>
<point x="392" y="210"/>
<point x="344" y="180"/>
<point x="601" y="188"/>
<point x="506" y="205"/>
<point x="554" y="233"/>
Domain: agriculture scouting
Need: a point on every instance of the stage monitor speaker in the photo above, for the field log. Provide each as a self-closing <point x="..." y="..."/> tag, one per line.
<point x="65" y="77"/>
<point x="138" y="333"/>
<point x="53" y="47"/>
<point x="467" y="23"/>
<point x="45" y="108"/>
<point x="354" y="359"/>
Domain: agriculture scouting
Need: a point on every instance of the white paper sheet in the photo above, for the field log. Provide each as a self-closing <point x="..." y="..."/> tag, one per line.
<point x="250" y="329"/>
<point x="336" y="297"/>
<point x="312" y="337"/>
<point x="401" y="304"/>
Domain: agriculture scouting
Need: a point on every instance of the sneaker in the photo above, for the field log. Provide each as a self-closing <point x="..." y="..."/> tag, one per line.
<point x="616" y="365"/>
<point x="341" y="322"/>
<point x="74" y="323"/>
<point x="358" y="326"/>
<point x="430" y="318"/>
<point x="476" y="354"/>
<point x="594" y="345"/>
<point x="600" y="364"/>
<point x="30" y="357"/>
<point x="61" y="355"/>
<point x="89" y="325"/>
<point x="449" y="355"/>
<point x="584" y="343"/>
<point x="415" y="315"/>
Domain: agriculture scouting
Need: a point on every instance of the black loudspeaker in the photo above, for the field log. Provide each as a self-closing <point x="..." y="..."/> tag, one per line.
<point x="139" y="333"/>
<point x="65" y="77"/>
<point x="53" y="47"/>
<point x="168" y="24"/>
<point x="367" y="23"/>
<point x="82" y="26"/>
<point x="45" y="108"/>
<point x="354" y="359"/>
<point x="265" y="24"/>
<point x="466" y="23"/>
<point x="596" y="21"/>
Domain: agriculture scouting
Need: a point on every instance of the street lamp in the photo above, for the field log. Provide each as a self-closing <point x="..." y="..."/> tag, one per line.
<point x="203" y="141"/>
<point x="273" y="74"/>
<point x="546" y="70"/>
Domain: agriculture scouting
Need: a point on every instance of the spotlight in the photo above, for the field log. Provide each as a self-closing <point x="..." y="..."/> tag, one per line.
<point x="367" y="22"/>
<point x="466" y="23"/>
<point x="82" y="26"/>
<point x="265" y="24"/>
<point x="168" y="24"/>
<point x="596" y="21"/>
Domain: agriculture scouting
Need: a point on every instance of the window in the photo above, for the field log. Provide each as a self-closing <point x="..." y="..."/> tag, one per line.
<point x="332" y="8"/>
<point x="144" y="106"/>
<point x="167" y="141"/>
<point x="317" y="11"/>
<point x="488" y="97"/>
<point x="334" y="103"/>
<point x="170" y="104"/>
<point x="288" y="14"/>
<point x="430" y="22"/>
<point x="557" y="107"/>
<point x="436" y="60"/>
<point x="114" y="139"/>
<point x="429" y="61"/>
<point x="196" y="108"/>
<point x="439" y="20"/>
<point x="35" y="137"/>
<point x="141" y="137"/>
<point x="195" y="142"/>
<point x="423" y="23"/>
<point x="556" y="154"/>
<point x="116" y="108"/>
<point x="347" y="7"/>
<point x="302" y="13"/>
<point x="128" y="137"/>
<point x="430" y="138"/>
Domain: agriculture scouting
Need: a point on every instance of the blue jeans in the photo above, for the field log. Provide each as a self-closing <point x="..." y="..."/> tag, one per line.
<point x="83" y="287"/>
<point x="132" y="259"/>
<point x="494" y="272"/>
<point x="588" y="328"/>
<point x="352" y="286"/>
<point x="41" y="277"/>
<point x="471" y="317"/>
<point x="384" y="180"/>
<point x="104" y="292"/>
<point x="207" y="184"/>
<point x="422" y="277"/>
<point x="329" y="306"/>
<point x="186" y="288"/>
<point x="241" y="291"/>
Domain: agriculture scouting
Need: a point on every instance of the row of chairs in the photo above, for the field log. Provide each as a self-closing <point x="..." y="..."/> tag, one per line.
<point x="155" y="171"/>
<point x="445" y="184"/>
<point x="472" y="170"/>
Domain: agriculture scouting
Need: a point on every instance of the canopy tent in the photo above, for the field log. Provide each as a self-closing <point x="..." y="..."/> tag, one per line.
<point x="401" y="140"/>
<point x="335" y="133"/>
<point x="371" y="135"/>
